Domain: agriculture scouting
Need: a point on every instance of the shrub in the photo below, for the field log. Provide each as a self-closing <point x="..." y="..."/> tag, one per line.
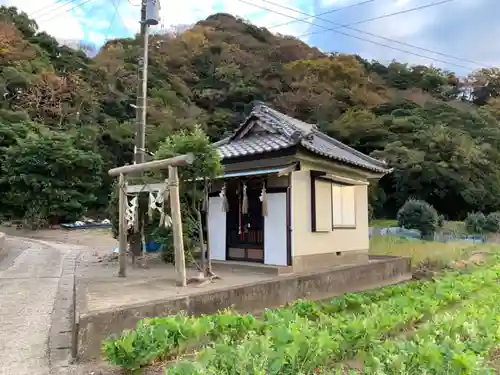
<point x="420" y="215"/>
<point x="370" y="213"/>
<point x="492" y="224"/>
<point x="441" y="221"/>
<point x="475" y="222"/>
<point x="49" y="177"/>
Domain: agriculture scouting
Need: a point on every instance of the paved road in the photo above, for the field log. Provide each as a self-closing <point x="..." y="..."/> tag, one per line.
<point x="29" y="278"/>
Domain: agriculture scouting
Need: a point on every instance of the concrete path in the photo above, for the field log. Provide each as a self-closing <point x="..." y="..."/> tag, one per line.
<point x="31" y="312"/>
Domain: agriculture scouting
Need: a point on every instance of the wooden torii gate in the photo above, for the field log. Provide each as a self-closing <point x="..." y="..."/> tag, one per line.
<point x="175" y="207"/>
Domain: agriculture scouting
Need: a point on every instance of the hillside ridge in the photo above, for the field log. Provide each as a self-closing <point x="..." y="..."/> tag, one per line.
<point x="439" y="132"/>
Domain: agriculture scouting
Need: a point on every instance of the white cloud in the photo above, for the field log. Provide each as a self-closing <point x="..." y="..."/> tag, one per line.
<point x="96" y="38"/>
<point x="52" y="18"/>
<point x="337" y="3"/>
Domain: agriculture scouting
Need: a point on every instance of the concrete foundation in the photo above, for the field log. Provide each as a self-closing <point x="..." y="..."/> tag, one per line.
<point x="306" y="263"/>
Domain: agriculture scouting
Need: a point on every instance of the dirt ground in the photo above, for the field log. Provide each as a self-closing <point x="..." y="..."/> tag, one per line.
<point x="148" y="280"/>
<point x="97" y="240"/>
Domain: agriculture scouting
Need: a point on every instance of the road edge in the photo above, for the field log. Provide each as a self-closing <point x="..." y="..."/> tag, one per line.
<point x="3" y="250"/>
<point x="63" y="317"/>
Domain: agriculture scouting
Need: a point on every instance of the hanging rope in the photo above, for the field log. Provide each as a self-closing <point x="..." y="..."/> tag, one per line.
<point x="263" y="199"/>
<point x="240" y="216"/>
<point x="151" y="205"/>
<point x="165" y="219"/>
<point x="223" y="196"/>
<point x="155" y="203"/>
<point x="131" y="212"/>
<point x="244" y="203"/>
<point x="137" y="221"/>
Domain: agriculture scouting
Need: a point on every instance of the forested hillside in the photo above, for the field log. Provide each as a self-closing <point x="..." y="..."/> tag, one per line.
<point x="65" y="118"/>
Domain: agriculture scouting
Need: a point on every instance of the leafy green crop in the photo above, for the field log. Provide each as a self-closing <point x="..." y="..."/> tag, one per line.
<point x="293" y="344"/>
<point x="165" y="337"/>
<point x="300" y="338"/>
<point x="450" y="343"/>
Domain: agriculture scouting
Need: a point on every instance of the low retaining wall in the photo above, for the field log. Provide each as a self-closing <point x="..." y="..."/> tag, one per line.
<point x="93" y="327"/>
<point x="3" y="250"/>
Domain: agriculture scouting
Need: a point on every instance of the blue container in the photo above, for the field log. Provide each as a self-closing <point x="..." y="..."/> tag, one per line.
<point x="152" y="246"/>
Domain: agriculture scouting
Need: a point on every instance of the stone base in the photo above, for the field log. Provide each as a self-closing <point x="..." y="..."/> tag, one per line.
<point x="235" y="266"/>
<point x="306" y="263"/>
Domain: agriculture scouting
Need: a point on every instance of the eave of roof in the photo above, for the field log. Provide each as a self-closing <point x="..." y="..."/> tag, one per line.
<point x="289" y="132"/>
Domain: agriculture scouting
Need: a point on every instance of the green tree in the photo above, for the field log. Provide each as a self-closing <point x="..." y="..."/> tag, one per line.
<point x="194" y="178"/>
<point x="475" y="223"/>
<point x="49" y="178"/>
<point x="420" y="215"/>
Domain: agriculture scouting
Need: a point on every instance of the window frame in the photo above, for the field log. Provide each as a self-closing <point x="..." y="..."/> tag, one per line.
<point x="344" y="226"/>
<point x="315" y="176"/>
<point x="320" y="176"/>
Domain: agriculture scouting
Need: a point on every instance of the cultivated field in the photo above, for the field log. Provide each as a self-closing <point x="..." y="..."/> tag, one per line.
<point x="449" y="325"/>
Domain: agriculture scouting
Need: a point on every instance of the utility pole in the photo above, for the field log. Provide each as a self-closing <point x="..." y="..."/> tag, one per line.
<point x="141" y="101"/>
<point x="149" y="16"/>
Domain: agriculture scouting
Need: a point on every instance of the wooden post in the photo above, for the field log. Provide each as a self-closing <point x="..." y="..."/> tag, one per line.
<point x="122" y="224"/>
<point x="208" y="253"/>
<point x="175" y="206"/>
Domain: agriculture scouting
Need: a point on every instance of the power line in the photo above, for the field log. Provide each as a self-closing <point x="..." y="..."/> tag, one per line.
<point x="113" y="17"/>
<point x="47" y="10"/>
<point x="324" y="13"/>
<point x="359" y="38"/>
<point x="68" y="10"/>
<point x="349" y="27"/>
<point x="431" y="5"/>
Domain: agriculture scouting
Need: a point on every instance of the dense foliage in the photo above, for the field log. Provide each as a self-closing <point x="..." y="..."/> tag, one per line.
<point x="420" y="215"/>
<point x="479" y="223"/>
<point x="193" y="186"/>
<point x="440" y="132"/>
<point x="450" y="317"/>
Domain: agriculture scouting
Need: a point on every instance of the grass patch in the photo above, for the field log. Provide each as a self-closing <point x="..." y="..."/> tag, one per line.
<point x="437" y="253"/>
<point x="384" y="223"/>
<point x="449" y="227"/>
<point x="456" y="227"/>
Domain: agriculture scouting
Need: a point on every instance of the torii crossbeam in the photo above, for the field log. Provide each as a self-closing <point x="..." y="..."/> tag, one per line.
<point x="175" y="207"/>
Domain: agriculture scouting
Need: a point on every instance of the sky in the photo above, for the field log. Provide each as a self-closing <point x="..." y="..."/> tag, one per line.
<point x="465" y="33"/>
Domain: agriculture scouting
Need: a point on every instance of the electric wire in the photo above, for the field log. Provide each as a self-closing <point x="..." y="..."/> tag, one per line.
<point x="349" y="27"/>
<point x="47" y="10"/>
<point x="335" y="30"/>
<point x="388" y="15"/>
<point x="324" y="13"/>
<point x="67" y="10"/>
<point x="111" y="22"/>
